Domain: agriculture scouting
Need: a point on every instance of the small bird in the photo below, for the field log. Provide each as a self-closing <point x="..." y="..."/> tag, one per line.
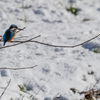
<point x="10" y="34"/>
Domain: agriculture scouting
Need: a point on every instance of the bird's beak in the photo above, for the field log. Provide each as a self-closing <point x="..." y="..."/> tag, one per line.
<point x="21" y="28"/>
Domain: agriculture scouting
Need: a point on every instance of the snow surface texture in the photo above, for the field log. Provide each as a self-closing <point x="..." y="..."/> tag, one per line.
<point x="64" y="67"/>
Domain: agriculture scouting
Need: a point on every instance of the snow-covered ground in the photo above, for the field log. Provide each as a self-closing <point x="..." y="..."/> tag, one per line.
<point x="58" y="69"/>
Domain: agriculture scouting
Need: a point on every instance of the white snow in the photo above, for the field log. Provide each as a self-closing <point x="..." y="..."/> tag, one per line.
<point x="58" y="69"/>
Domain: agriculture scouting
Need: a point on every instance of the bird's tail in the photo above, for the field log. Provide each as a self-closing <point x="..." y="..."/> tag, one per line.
<point x="4" y="43"/>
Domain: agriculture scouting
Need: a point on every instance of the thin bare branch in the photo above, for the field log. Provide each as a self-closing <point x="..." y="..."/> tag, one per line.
<point x="66" y="46"/>
<point x="22" y="98"/>
<point x="21" y="29"/>
<point x="20" y="42"/>
<point x="43" y="85"/>
<point x="52" y="45"/>
<point x="18" y="68"/>
<point x="5" y="89"/>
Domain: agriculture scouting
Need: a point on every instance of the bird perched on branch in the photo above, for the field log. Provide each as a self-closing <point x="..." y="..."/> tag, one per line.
<point x="10" y="34"/>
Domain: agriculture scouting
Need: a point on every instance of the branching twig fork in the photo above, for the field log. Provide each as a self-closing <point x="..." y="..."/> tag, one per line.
<point x="21" y="29"/>
<point x="52" y="45"/>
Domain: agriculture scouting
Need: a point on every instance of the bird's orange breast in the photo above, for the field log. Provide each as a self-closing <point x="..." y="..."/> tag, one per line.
<point x="13" y="37"/>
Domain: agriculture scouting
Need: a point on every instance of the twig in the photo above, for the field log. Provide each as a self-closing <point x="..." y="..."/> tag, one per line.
<point x="22" y="98"/>
<point x="43" y="85"/>
<point x="67" y="46"/>
<point x="21" y="29"/>
<point x="5" y="89"/>
<point x="20" y="42"/>
<point x="52" y="45"/>
<point x="18" y="68"/>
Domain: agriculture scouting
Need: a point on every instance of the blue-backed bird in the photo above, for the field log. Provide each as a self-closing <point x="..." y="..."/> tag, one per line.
<point x="10" y="33"/>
